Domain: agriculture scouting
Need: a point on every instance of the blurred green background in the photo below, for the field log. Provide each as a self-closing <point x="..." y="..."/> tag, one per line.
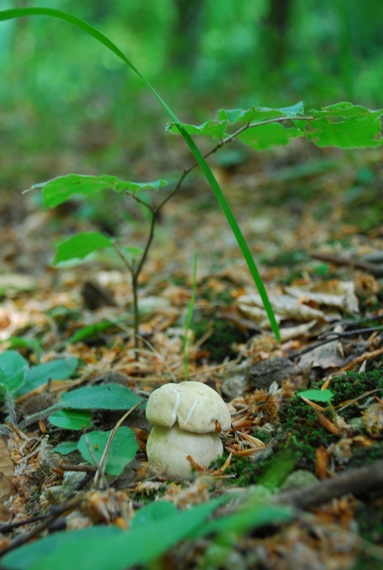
<point x="68" y="103"/>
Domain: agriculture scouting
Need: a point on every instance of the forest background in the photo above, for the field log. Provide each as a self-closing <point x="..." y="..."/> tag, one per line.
<point x="62" y="94"/>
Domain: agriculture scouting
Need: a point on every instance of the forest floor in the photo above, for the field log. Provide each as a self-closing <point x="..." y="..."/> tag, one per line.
<point x="314" y="223"/>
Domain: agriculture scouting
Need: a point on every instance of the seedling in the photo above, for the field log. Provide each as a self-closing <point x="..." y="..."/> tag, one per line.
<point x="343" y="125"/>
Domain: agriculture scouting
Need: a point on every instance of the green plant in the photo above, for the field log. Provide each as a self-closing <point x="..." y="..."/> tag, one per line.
<point x="343" y="125"/>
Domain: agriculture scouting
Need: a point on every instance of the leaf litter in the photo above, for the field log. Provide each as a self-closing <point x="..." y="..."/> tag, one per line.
<point x="247" y="509"/>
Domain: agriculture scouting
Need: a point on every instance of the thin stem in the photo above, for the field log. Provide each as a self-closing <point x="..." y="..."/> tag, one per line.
<point x="136" y="312"/>
<point x="117" y="249"/>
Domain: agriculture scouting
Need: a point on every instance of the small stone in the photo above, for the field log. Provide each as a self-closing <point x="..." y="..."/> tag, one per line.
<point x="235" y="386"/>
<point x="274" y="369"/>
<point x="299" y="478"/>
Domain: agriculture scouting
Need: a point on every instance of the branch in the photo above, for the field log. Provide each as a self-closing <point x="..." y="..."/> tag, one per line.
<point x="355" y="481"/>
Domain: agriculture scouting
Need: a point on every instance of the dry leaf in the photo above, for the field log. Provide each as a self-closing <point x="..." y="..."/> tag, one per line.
<point x="7" y="489"/>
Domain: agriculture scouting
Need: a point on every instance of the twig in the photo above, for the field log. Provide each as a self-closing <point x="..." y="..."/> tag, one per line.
<point x="310" y="348"/>
<point x="54" y="513"/>
<point x="360" y="480"/>
<point x="68" y="467"/>
<point x="39" y="415"/>
<point x="94" y="459"/>
<point x="334" y="336"/>
<point x="12" y="526"/>
<point x="373" y="268"/>
<point x="350" y="333"/>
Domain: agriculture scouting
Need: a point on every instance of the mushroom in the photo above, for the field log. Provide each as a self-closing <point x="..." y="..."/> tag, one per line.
<point x="187" y="419"/>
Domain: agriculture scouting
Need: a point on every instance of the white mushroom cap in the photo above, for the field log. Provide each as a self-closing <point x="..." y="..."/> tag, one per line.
<point x="196" y="407"/>
<point x="168" y="448"/>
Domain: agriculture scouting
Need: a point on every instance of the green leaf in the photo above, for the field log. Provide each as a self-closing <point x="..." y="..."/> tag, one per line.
<point x="317" y="395"/>
<point x="81" y="245"/>
<point x="65" y="448"/>
<point x="156" y="511"/>
<point x="104" y="397"/>
<point x="216" y="129"/>
<point x="90" y="330"/>
<point x="248" y="518"/>
<point x="60" y="189"/>
<point x="266" y="136"/>
<point x="60" y="369"/>
<point x="132" y="253"/>
<point x="21" y="342"/>
<point x="71" y="419"/>
<point x="30" y="556"/>
<point x="122" y="450"/>
<point x="346" y="126"/>
<point x="109" y="548"/>
<point x="259" y="114"/>
<point x="12" y="370"/>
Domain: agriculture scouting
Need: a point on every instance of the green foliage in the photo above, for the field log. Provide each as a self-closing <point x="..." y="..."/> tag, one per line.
<point x="317" y="395"/>
<point x="104" y="397"/>
<point x="215" y="129"/>
<point x="343" y="125"/>
<point x="155" y="528"/>
<point x="59" y="369"/>
<point x="122" y="450"/>
<point x="109" y="548"/>
<point x="71" y="419"/>
<point x="12" y="371"/>
<point x="65" y="448"/>
<point x="90" y="332"/>
<point x="353" y="385"/>
<point x="346" y="126"/>
<point x="249" y="517"/>
<point x="69" y="18"/>
<point x="263" y="137"/>
<point x="60" y="189"/>
<point x="81" y="245"/>
<point x="255" y="114"/>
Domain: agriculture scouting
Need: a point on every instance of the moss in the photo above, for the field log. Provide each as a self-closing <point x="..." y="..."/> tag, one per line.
<point x="370" y="521"/>
<point x="241" y="470"/>
<point x="263" y="435"/>
<point x="365" y="455"/>
<point x="304" y="431"/>
<point x="353" y="385"/>
<point x="223" y="336"/>
<point x="305" y="434"/>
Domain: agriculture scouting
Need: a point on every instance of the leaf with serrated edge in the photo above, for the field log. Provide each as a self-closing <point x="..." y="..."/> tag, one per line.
<point x="263" y="137"/>
<point x="216" y="129"/>
<point x="60" y="189"/>
<point x="259" y="114"/>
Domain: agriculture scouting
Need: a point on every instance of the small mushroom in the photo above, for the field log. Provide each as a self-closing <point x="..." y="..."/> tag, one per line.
<point x="187" y="419"/>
